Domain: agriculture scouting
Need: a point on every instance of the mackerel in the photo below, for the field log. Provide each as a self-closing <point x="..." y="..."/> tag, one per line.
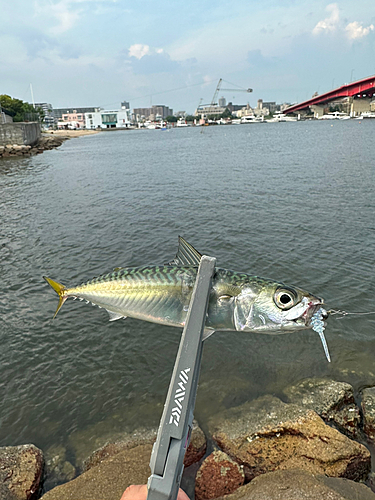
<point x="238" y="301"/>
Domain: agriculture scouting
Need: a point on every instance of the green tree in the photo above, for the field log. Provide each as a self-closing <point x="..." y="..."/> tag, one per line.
<point x="334" y="108"/>
<point x="20" y="110"/>
<point x="226" y="114"/>
<point x="171" y="119"/>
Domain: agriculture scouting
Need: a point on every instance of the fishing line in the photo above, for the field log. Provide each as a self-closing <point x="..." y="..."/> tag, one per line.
<point x="332" y="312"/>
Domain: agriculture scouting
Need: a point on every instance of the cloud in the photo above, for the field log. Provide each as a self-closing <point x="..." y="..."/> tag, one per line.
<point x="355" y="30"/>
<point x="155" y="63"/>
<point x="352" y="31"/>
<point x="330" y="23"/>
<point x="66" y="17"/>
<point x="138" y="50"/>
<point x="63" y="15"/>
<point x="63" y="12"/>
<point x="146" y="60"/>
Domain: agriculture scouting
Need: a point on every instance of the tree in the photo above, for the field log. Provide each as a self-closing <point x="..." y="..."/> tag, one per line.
<point x="171" y="119"/>
<point x="226" y="114"/>
<point x="20" y="110"/>
<point x="335" y="107"/>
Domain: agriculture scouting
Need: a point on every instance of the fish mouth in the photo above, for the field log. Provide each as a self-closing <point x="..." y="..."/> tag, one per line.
<point x="311" y="309"/>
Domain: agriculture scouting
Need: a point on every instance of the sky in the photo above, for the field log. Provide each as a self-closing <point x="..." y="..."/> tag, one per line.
<point x="78" y="53"/>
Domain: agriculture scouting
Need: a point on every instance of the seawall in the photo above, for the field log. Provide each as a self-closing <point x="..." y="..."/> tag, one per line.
<point x="43" y="143"/>
<point x="20" y="134"/>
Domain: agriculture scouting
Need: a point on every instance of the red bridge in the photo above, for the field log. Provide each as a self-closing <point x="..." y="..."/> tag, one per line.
<point x="359" y="89"/>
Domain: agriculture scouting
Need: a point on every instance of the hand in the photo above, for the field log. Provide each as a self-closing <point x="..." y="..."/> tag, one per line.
<point x="139" y="492"/>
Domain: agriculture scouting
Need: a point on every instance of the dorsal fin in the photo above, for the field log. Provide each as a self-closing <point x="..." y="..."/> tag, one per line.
<point x="186" y="255"/>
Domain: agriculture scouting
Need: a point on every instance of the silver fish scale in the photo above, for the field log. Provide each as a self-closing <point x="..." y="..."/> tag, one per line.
<point x="317" y="325"/>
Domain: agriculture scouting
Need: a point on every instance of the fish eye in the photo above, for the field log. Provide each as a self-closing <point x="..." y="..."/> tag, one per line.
<point x="284" y="299"/>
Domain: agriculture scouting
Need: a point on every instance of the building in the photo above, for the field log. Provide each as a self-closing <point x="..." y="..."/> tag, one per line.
<point x="261" y="109"/>
<point x="154" y="113"/>
<point x="233" y="108"/>
<point x="222" y="102"/>
<point x="285" y="105"/>
<point x="72" y="120"/>
<point x="48" y="119"/>
<point x="58" y="112"/>
<point x="101" y="118"/>
<point x="245" y="111"/>
<point x="209" y="110"/>
<point x="271" y="106"/>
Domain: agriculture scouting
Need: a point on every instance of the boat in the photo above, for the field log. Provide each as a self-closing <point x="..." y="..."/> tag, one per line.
<point x="335" y="115"/>
<point x="367" y="114"/>
<point x="280" y="117"/>
<point x="153" y="125"/>
<point x="252" y="119"/>
<point x="181" y="123"/>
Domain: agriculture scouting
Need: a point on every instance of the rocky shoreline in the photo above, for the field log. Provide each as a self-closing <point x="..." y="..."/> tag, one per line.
<point x="313" y="444"/>
<point x="46" y="142"/>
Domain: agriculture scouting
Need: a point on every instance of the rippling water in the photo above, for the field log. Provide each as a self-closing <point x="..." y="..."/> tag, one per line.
<point x="291" y="201"/>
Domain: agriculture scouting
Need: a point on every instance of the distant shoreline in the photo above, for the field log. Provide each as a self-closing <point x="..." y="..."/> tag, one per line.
<point x="48" y="140"/>
<point x="72" y="133"/>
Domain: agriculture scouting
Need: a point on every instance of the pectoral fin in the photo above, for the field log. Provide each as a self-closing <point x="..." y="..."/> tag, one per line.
<point x="113" y="316"/>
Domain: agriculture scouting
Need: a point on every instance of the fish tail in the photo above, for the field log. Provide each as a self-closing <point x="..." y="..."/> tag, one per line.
<point x="60" y="290"/>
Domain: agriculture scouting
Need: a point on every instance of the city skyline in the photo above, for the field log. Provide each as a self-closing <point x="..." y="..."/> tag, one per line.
<point x="101" y="52"/>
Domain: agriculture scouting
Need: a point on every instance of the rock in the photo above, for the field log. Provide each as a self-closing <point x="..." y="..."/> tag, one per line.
<point x="109" y="479"/>
<point x="57" y="468"/>
<point x="218" y="475"/>
<point x="266" y="435"/>
<point x="197" y="447"/>
<point x="125" y="441"/>
<point x="331" y="400"/>
<point x="371" y="481"/>
<point x="21" y="470"/>
<point x="300" y="485"/>
<point x="368" y="409"/>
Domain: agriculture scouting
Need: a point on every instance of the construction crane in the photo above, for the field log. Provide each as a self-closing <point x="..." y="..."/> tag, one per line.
<point x="218" y="88"/>
<point x="201" y="107"/>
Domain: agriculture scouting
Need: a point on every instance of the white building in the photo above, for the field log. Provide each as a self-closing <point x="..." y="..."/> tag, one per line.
<point x="101" y="118"/>
<point x="209" y="110"/>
